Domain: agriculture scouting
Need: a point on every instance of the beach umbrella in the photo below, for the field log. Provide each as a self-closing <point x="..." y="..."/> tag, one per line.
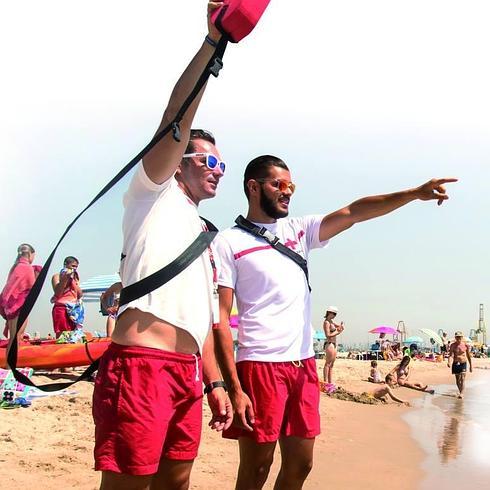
<point x="319" y="335"/>
<point x="92" y="288"/>
<point x="432" y="335"/>
<point x="384" y="329"/>
<point x="414" y="339"/>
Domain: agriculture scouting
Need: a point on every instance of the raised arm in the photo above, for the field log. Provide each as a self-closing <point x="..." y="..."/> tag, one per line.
<point x="60" y="283"/>
<point x="375" y="206"/>
<point x="162" y="161"/>
<point x="242" y="406"/>
<point x="338" y="331"/>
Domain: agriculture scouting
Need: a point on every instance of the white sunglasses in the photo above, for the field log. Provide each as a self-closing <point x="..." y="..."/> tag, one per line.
<point x="211" y="160"/>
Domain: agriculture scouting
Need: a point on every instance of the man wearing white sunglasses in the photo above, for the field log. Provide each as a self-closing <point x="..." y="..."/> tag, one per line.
<point x="148" y="393"/>
<point x="274" y="384"/>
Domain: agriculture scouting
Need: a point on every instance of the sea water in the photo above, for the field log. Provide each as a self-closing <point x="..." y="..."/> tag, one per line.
<point x="455" y="434"/>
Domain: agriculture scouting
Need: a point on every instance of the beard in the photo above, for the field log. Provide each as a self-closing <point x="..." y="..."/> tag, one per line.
<point x="269" y="207"/>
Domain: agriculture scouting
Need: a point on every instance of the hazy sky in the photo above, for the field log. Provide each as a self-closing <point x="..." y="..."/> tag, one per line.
<point x="357" y="97"/>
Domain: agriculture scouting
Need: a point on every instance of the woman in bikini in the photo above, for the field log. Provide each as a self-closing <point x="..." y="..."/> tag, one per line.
<point x="402" y="372"/>
<point x="331" y="330"/>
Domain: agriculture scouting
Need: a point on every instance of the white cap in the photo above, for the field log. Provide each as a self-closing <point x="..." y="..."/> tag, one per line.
<point x="332" y="309"/>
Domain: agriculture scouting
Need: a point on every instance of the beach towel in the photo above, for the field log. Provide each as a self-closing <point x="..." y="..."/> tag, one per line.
<point x="19" y="283"/>
<point x="76" y="336"/>
<point x="76" y="313"/>
<point x="10" y="389"/>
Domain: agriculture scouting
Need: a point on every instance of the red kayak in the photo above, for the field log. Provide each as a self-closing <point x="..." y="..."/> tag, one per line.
<point x="48" y="354"/>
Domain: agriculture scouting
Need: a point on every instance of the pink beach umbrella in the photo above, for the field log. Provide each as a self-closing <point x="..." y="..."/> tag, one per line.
<point x="384" y="329"/>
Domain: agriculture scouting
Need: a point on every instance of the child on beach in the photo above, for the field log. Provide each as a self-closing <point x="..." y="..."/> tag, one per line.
<point x="385" y="391"/>
<point x="375" y="375"/>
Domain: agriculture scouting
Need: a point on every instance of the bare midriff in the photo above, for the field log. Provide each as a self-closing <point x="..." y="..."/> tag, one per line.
<point x="138" y="328"/>
<point x="459" y="351"/>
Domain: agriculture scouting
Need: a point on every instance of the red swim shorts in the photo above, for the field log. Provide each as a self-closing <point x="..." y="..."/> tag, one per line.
<point x="147" y="405"/>
<point x="61" y="322"/>
<point x="285" y="399"/>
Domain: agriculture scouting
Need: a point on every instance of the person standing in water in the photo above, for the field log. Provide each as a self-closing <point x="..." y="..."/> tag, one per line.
<point x="332" y="330"/>
<point x="459" y="358"/>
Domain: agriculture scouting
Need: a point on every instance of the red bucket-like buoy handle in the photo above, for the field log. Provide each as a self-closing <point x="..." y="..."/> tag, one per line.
<point x="237" y="18"/>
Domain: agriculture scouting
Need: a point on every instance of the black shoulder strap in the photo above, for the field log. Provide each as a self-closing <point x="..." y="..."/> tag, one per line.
<point x="165" y="274"/>
<point x="274" y="242"/>
<point x="212" y="68"/>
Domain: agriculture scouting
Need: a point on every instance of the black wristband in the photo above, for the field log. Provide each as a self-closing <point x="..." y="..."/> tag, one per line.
<point x="215" y="384"/>
<point x="210" y="41"/>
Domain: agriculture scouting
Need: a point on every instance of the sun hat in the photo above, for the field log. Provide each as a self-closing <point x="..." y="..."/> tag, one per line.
<point x="332" y="309"/>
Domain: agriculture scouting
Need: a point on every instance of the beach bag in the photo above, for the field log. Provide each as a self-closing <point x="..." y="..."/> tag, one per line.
<point x="237" y="18"/>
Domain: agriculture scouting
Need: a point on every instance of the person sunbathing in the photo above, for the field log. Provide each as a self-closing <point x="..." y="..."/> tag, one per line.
<point x="402" y="372"/>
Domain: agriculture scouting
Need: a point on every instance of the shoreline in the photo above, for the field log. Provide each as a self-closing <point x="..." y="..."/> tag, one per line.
<point x="49" y="445"/>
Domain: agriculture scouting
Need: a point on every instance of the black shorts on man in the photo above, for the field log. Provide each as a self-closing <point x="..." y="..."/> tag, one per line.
<point x="459" y="367"/>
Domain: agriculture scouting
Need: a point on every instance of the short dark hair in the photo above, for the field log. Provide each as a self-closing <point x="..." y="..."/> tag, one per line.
<point x="374" y="363"/>
<point x="259" y="167"/>
<point x="199" y="134"/>
<point x="70" y="259"/>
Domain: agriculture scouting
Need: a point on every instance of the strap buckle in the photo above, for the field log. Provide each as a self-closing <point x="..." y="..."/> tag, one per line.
<point x="270" y="237"/>
<point x="216" y="67"/>
<point x="176" y="131"/>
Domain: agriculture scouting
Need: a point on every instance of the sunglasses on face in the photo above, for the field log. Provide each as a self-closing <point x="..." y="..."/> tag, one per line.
<point x="280" y="184"/>
<point x="211" y="160"/>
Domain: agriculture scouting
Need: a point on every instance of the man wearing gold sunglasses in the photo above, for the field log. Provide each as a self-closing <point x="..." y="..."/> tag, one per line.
<point x="273" y="385"/>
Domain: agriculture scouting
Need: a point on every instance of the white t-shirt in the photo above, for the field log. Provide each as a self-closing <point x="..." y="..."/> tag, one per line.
<point x="272" y="294"/>
<point x="159" y="223"/>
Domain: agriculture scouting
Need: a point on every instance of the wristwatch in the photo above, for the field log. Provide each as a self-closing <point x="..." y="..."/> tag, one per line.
<point x="215" y="384"/>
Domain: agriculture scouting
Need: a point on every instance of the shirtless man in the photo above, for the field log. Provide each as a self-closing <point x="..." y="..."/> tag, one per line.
<point x="459" y="357"/>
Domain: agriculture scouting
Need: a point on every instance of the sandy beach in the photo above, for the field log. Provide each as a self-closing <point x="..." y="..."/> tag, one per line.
<point x="49" y="445"/>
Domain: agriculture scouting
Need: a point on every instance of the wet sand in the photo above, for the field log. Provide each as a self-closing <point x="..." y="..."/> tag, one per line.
<point x="49" y="445"/>
<point x="455" y="434"/>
